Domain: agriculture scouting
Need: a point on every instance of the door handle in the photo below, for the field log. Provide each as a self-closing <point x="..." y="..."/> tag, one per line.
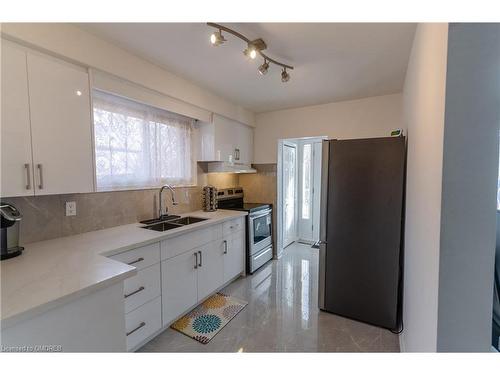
<point x="225" y="246"/>
<point x="28" y="178"/>
<point x="201" y="259"/>
<point x="40" y="176"/>
<point x="196" y="260"/>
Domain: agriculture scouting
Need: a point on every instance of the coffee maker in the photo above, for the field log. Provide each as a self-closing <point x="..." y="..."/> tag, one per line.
<point x="10" y="218"/>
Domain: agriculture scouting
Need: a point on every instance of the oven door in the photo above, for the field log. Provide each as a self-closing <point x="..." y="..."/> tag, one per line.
<point x="259" y="230"/>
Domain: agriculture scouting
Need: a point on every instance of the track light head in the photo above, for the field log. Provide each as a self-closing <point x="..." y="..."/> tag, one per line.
<point x="285" y="77"/>
<point x="264" y="68"/>
<point x="250" y="51"/>
<point x="217" y="38"/>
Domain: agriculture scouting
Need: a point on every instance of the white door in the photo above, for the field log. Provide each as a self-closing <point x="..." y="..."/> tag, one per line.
<point x="17" y="163"/>
<point x="305" y="220"/>
<point x="179" y="285"/>
<point x="316" y="198"/>
<point x="289" y="193"/>
<point x="60" y="126"/>
<point x="211" y="268"/>
<point x="234" y="255"/>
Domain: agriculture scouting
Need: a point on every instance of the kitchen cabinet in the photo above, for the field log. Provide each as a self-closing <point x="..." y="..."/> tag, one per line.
<point x="225" y="140"/>
<point x="60" y="126"/>
<point x="17" y="161"/>
<point x="179" y="284"/>
<point x="46" y="125"/>
<point x="211" y="269"/>
<point x="234" y="255"/>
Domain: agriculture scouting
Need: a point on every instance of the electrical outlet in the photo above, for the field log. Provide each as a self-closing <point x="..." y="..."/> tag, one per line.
<point x="70" y="208"/>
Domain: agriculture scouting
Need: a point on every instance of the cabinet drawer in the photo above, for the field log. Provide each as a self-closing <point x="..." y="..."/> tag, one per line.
<point x="143" y="322"/>
<point x="142" y="288"/>
<point x="180" y="244"/>
<point x="232" y="226"/>
<point x="141" y="257"/>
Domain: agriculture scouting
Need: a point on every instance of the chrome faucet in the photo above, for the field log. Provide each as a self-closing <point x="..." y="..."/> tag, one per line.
<point x="160" y="198"/>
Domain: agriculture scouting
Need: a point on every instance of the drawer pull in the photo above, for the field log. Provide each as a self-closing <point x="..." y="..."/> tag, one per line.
<point x="196" y="260"/>
<point x="136" y="261"/>
<point x="136" y="328"/>
<point x="225" y="246"/>
<point x="201" y="259"/>
<point x="134" y="292"/>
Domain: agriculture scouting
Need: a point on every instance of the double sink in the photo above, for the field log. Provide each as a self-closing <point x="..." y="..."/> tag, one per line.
<point x="162" y="225"/>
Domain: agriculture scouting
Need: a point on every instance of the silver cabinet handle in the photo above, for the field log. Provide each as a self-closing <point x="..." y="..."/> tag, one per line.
<point x="136" y="261"/>
<point x="225" y="246"/>
<point x="134" y="292"/>
<point x="28" y="178"/>
<point x="142" y="324"/>
<point x="201" y="260"/>
<point x="196" y="260"/>
<point x="40" y="176"/>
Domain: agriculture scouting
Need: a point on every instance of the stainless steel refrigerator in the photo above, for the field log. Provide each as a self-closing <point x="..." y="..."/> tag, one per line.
<point x="361" y="230"/>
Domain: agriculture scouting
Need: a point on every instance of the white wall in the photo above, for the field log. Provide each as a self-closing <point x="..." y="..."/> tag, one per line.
<point x="470" y="170"/>
<point x="424" y="103"/>
<point x="77" y="45"/>
<point x="370" y="117"/>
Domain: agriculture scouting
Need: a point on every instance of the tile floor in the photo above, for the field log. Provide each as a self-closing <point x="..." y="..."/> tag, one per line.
<point x="283" y="316"/>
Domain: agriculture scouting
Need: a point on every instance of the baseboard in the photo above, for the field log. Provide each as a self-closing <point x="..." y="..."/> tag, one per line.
<point x="402" y="348"/>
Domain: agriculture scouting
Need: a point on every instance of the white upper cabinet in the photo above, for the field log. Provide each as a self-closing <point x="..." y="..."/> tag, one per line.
<point x="60" y="125"/>
<point x="225" y="140"/>
<point x="17" y="163"/>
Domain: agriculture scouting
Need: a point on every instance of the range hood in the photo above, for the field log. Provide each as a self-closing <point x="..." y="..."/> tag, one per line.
<point x="227" y="167"/>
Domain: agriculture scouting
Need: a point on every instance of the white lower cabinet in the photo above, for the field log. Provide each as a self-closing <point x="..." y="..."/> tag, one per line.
<point x="143" y="322"/>
<point x="142" y="288"/>
<point x="176" y="274"/>
<point x="179" y="284"/>
<point x="210" y="269"/>
<point x="234" y="255"/>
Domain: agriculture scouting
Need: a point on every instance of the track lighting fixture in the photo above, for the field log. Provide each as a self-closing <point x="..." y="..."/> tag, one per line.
<point x="254" y="48"/>
<point x="217" y="38"/>
<point x="264" y="67"/>
<point x="285" y="77"/>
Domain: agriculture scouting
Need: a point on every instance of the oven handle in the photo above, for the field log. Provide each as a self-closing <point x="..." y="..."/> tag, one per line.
<point x="260" y="214"/>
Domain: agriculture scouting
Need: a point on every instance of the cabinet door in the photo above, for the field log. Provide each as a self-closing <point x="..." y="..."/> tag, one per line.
<point x="234" y="257"/>
<point x="17" y="163"/>
<point x="211" y="270"/>
<point x="60" y="126"/>
<point x="245" y="143"/>
<point x="226" y="136"/>
<point x="179" y="287"/>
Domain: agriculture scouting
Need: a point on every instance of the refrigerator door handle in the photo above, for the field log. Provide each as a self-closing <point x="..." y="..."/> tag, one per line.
<point x="325" y="163"/>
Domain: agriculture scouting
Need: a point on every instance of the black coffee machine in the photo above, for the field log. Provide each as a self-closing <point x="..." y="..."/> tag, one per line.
<point x="10" y="218"/>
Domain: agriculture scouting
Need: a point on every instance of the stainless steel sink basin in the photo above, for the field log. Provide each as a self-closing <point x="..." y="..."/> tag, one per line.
<point x="163" y="226"/>
<point x="187" y="220"/>
<point x="159" y="220"/>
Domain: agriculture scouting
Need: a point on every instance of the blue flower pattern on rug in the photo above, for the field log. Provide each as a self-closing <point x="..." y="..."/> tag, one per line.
<point x="206" y="323"/>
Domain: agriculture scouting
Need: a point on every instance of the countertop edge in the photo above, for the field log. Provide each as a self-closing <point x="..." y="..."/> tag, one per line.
<point x="31" y="312"/>
<point x="63" y="300"/>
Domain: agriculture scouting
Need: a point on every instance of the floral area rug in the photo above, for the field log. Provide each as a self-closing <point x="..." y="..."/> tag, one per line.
<point x="206" y="320"/>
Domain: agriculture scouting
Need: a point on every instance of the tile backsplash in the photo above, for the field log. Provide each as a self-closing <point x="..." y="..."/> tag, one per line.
<point x="44" y="216"/>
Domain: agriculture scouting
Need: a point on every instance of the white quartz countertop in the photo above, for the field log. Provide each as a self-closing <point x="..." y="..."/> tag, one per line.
<point x="54" y="272"/>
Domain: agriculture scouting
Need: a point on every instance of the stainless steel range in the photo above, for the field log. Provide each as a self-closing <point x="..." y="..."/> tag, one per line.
<point x="259" y="226"/>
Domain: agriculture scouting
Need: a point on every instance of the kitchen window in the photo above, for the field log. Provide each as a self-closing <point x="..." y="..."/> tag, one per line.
<point x="139" y="146"/>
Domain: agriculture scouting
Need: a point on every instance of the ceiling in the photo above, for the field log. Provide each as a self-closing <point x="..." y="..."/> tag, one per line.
<point x="333" y="61"/>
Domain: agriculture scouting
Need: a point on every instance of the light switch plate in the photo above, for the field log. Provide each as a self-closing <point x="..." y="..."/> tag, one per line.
<point x="70" y="208"/>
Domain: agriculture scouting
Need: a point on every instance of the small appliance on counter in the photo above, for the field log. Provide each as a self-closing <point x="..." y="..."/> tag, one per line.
<point x="10" y="219"/>
<point x="209" y="198"/>
<point x="259" y="226"/>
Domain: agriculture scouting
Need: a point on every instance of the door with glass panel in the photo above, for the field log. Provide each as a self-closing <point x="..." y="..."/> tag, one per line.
<point x="289" y="193"/>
